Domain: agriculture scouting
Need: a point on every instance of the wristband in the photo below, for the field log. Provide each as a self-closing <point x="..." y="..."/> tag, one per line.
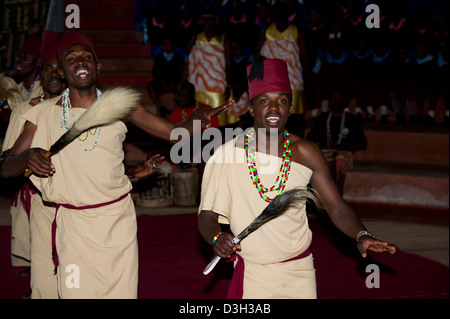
<point x="363" y="233"/>
<point x="216" y="237"/>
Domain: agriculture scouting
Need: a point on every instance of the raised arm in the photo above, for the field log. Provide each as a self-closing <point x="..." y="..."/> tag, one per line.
<point x="161" y="128"/>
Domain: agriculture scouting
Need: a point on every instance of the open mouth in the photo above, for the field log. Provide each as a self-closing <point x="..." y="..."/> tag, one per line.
<point x="82" y="73"/>
<point x="273" y="120"/>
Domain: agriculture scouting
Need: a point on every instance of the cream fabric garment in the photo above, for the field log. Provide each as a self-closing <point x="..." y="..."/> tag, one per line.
<point x="20" y="224"/>
<point x="35" y="91"/>
<point x="98" y="247"/>
<point x="20" y="235"/>
<point x="228" y="190"/>
<point x="82" y="177"/>
<point x="44" y="281"/>
<point x="38" y="226"/>
<point x="15" y="126"/>
<point x="98" y="252"/>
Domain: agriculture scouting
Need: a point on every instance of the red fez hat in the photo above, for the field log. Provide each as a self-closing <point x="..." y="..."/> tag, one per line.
<point x="50" y="37"/>
<point x="49" y="46"/>
<point x="48" y="53"/>
<point x="32" y="46"/>
<point x="267" y="75"/>
<point x="71" y="38"/>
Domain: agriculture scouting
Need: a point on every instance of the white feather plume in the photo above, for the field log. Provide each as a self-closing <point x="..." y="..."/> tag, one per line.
<point x="13" y="97"/>
<point x="112" y="105"/>
<point x="9" y="91"/>
<point x="7" y="83"/>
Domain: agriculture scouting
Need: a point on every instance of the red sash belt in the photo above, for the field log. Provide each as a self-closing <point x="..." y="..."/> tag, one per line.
<point x="25" y="193"/>
<point x="236" y="289"/>
<point x="54" y="253"/>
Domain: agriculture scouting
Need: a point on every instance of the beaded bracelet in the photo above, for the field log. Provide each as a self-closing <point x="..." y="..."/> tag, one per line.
<point x="216" y="237"/>
<point x="363" y="233"/>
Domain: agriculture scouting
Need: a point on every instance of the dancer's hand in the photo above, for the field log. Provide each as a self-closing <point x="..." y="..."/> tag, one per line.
<point x="369" y="243"/>
<point x="205" y="114"/>
<point x="148" y="167"/>
<point x="224" y="247"/>
<point x="39" y="164"/>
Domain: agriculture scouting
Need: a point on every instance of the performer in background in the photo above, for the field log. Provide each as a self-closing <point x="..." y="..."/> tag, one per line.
<point x="95" y="217"/>
<point x="31" y="217"/>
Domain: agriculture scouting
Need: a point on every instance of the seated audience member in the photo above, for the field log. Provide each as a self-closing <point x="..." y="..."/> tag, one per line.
<point x="339" y="134"/>
<point x="423" y="78"/>
<point x="185" y="104"/>
<point x="167" y="72"/>
<point x="376" y="93"/>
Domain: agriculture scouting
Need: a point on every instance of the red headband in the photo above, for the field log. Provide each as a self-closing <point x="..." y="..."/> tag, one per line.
<point x="275" y="78"/>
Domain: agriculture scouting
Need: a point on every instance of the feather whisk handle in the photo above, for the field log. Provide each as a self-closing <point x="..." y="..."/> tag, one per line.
<point x="235" y="240"/>
<point x="28" y="172"/>
<point x="216" y="258"/>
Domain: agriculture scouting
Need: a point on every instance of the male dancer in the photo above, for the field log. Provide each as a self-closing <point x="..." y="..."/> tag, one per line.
<point x="29" y="214"/>
<point x="95" y="219"/>
<point x="27" y="68"/>
<point x="236" y="188"/>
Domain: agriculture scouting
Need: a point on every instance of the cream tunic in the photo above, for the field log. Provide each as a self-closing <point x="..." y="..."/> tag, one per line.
<point x="35" y="91"/>
<point x="100" y="243"/>
<point x="20" y="223"/>
<point x="31" y="236"/>
<point x="43" y="281"/>
<point x="87" y="178"/>
<point x="228" y="190"/>
<point x="15" y="126"/>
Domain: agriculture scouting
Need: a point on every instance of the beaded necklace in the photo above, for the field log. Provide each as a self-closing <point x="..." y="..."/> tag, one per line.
<point x="32" y="85"/>
<point x="341" y="130"/>
<point x="283" y="173"/>
<point x="64" y="120"/>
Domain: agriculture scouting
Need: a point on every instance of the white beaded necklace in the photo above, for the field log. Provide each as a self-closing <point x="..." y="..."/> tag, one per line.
<point x="64" y="120"/>
<point x="341" y="130"/>
<point x="32" y="85"/>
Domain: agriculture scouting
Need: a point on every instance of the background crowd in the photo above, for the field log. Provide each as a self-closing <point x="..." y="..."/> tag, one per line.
<point x="399" y="68"/>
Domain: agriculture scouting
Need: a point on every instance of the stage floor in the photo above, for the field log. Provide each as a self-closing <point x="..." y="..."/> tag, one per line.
<point x="421" y="235"/>
<point x="421" y="231"/>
